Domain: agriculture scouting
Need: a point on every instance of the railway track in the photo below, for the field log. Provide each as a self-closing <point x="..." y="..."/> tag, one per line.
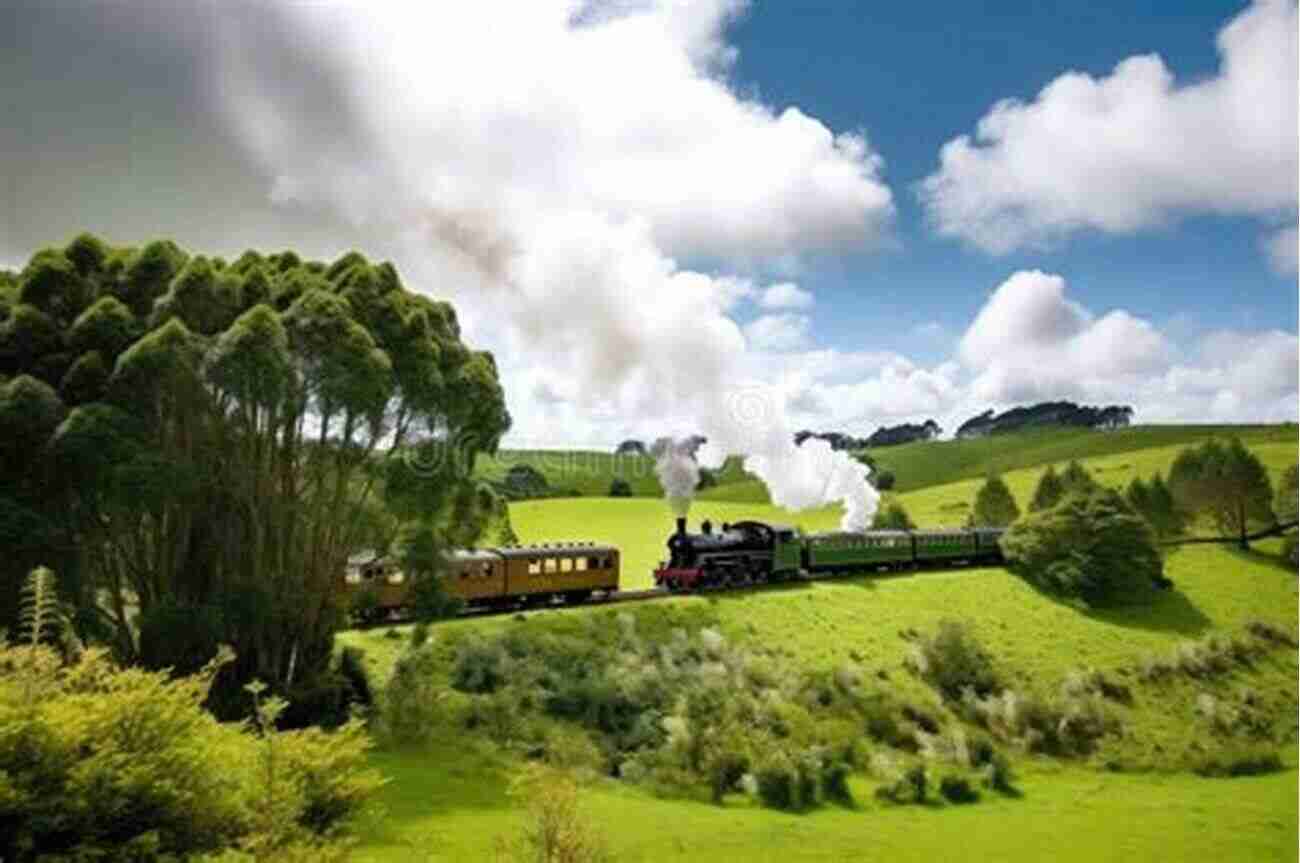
<point x="619" y="597"/>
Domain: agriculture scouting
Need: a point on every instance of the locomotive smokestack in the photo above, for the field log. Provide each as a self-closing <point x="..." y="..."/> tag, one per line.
<point x="681" y="527"/>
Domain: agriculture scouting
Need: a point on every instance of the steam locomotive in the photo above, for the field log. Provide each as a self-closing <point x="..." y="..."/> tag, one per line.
<point x="754" y="552"/>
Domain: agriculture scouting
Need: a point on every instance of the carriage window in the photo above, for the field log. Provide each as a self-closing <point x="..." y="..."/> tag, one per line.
<point x="566" y="564"/>
<point x="605" y="562"/>
<point x="580" y="564"/>
<point x="550" y="564"/>
<point x="396" y="578"/>
<point x="534" y="566"/>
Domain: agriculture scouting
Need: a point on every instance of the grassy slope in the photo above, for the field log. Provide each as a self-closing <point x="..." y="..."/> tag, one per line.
<point x="590" y="472"/>
<point x="457" y="793"/>
<point x="640" y="526"/>
<point x="919" y="465"/>
<point x="448" y="803"/>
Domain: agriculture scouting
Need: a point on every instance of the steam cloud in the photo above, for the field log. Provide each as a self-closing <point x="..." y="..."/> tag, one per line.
<point x="548" y="176"/>
<point x="678" y="471"/>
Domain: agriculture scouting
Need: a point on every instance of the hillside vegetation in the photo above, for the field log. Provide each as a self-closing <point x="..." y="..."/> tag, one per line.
<point x="924" y="464"/>
<point x="1136" y="790"/>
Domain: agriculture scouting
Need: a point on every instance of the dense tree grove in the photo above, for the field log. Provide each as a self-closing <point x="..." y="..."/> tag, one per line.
<point x="1091" y="547"/>
<point x="1226" y="481"/>
<point x="197" y="446"/>
<point x="905" y="433"/>
<point x="994" y="504"/>
<point x="1045" y="414"/>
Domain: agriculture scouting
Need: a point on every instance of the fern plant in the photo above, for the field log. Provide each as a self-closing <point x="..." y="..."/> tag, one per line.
<point x="39" y="610"/>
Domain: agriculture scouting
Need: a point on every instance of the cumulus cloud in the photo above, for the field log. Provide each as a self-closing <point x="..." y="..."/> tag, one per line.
<point x="1133" y="149"/>
<point x="556" y="171"/>
<point x="778" y="332"/>
<point x="1283" y="248"/>
<point x="785" y="295"/>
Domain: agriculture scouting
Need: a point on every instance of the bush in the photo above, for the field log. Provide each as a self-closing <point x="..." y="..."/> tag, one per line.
<point x="412" y="702"/>
<point x="557" y="831"/>
<point x="952" y="661"/>
<point x="102" y="762"/>
<point x="480" y="666"/>
<point x="1090" y="548"/>
<point x="911" y="786"/>
<point x="1240" y="760"/>
<point x="883" y="480"/>
<point x="957" y="789"/>
<point x="892" y="517"/>
<point x="620" y="488"/>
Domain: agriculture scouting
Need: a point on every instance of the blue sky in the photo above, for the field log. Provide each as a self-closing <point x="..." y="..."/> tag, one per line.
<point x="719" y="216"/>
<point x="912" y="77"/>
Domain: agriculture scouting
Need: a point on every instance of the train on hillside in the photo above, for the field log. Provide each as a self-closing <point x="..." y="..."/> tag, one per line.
<point x="738" y="554"/>
<point x="754" y="552"/>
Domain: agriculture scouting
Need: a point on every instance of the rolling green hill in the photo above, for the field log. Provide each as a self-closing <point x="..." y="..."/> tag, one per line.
<point x="450" y="801"/>
<point x="930" y="463"/>
<point x="915" y="466"/>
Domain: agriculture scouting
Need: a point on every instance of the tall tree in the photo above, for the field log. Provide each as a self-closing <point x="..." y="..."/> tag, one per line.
<point x="1075" y="479"/>
<point x="1154" y="502"/>
<point x="1226" y="481"/>
<point x="994" y="504"/>
<point x="1048" y="492"/>
<point x="229" y="461"/>
<point x="1285" y="511"/>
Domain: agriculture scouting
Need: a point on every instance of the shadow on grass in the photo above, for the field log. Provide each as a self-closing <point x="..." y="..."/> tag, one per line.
<point x="1266" y="559"/>
<point x="1171" y="611"/>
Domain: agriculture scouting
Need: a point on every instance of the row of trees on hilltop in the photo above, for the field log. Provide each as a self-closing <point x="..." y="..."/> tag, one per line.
<point x="1045" y="414"/>
<point x="195" y="445"/>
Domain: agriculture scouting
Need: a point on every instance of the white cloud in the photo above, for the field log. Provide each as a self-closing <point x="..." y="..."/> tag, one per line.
<point x="786" y="295"/>
<point x="778" y="332"/>
<point x="1133" y="149"/>
<point x="1283" y="248"/>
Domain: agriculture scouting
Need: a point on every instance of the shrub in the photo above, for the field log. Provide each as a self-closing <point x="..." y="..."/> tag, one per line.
<point x="997" y="774"/>
<point x="957" y="789"/>
<point x="412" y="702"/>
<point x="910" y="786"/>
<point x="892" y="517"/>
<point x="835" y="783"/>
<point x="883" y="480"/>
<point x="953" y="661"/>
<point x="556" y="830"/>
<point x="102" y="762"/>
<point x="1271" y="632"/>
<point x="620" y="488"/>
<point x="1063" y="726"/>
<point x="480" y="666"/>
<point x="431" y="601"/>
<point x="788" y="781"/>
<point x="1239" y="759"/>
<point x="1090" y="548"/>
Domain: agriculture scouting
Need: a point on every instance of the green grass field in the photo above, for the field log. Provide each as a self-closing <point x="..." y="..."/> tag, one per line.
<point x="450" y="801"/>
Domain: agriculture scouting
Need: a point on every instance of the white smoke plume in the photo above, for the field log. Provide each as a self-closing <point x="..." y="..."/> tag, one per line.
<point x="548" y="176"/>
<point x="678" y="471"/>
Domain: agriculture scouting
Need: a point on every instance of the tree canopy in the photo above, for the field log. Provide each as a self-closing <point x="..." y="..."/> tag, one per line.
<point x="892" y="516"/>
<point x="1091" y="547"/>
<point x="207" y="437"/>
<point x="994" y="504"/>
<point x="1228" y="482"/>
<point x="1154" y="502"/>
<point x="1048" y="492"/>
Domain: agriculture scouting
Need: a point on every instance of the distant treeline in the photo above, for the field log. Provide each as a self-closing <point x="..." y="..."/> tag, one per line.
<point x="1046" y="414"/>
